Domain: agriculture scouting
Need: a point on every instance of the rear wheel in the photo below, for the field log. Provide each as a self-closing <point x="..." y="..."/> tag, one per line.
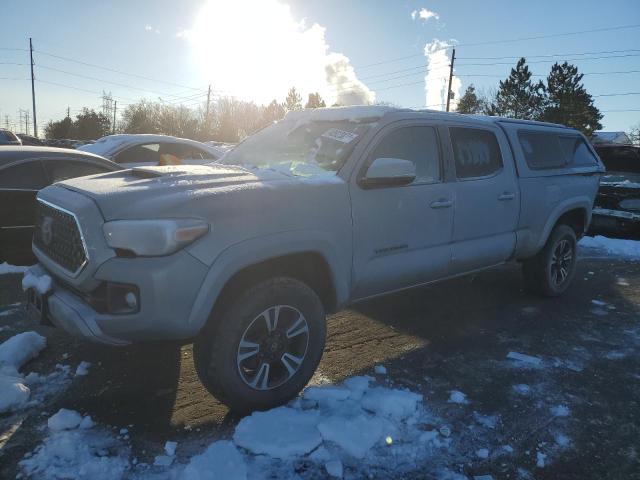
<point x="265" y="346"/>
<point x="551" y="271"/>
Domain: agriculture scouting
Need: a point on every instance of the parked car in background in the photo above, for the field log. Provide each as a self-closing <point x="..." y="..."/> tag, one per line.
<point x="222" y="146"/>
<point x="24" y="171"/>
<point x="318" y="211"/>
<point x="30" y="140"/>
<point x="131" y="150"/>
<point x="617" y="206"/>
<point x="7" y="137"/>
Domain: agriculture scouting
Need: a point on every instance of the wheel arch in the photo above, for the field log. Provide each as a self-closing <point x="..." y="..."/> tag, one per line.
<point x="312" y="259"/>
<point x="575" y="212"/>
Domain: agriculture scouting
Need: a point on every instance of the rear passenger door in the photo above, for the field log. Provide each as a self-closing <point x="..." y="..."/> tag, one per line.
<point x="487" y="199"/>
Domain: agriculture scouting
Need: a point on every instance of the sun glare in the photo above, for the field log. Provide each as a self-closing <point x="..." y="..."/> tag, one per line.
<point x="257" y="50"/>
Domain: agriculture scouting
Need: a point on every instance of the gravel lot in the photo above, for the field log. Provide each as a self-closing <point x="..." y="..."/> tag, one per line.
<point x="580" y="407"/>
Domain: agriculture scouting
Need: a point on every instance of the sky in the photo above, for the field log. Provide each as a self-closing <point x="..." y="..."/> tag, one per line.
<point x="351" y="51"/>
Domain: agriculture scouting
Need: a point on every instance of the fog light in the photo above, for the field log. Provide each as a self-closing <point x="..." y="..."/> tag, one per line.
<point x="131" y="300"/>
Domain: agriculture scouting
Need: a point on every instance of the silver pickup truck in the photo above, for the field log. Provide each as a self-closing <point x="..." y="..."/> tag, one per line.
<point x="325" y="208"/>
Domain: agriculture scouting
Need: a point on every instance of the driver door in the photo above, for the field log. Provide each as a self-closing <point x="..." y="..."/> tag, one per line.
<point x="402" y="234"/>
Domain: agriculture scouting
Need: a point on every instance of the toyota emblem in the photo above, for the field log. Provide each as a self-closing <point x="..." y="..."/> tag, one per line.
<point x="47" y="230"/>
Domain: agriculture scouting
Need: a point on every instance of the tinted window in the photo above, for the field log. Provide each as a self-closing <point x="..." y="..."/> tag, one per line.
<point x="576" y="151"/>
<point x="27" y="175"/>
<point x="140" y="153"/>
<point x="476" y="152"/>
<point x="63" y="169"/>
<point x="542" y="150"/>
<point x="416" y="144"/>
<point x="7" y="136"/>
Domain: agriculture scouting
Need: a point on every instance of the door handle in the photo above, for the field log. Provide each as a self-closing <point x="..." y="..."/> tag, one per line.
<point x="507" y="196"/>
<point x="442" y="203"/>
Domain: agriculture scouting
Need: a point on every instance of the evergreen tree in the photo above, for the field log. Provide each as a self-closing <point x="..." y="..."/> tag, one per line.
<point x="59" y="129"/>
<point x="90" y="125"/>
<point x="293" y="100"/>
<point x="470" y="102"/>
<point x="518" y="96"/>
<point x="568" y="102"/>
<point x="634" y="134"/>
<point x="315" y="101"/>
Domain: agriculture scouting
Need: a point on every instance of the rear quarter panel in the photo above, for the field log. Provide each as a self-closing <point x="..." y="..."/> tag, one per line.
<point x="547" y="194"/>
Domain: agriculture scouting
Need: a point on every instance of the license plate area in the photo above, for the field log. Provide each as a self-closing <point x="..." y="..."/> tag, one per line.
<point x="37" y="306"/>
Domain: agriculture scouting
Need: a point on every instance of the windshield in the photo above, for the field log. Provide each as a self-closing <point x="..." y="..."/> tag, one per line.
<point x="300" y="148"/>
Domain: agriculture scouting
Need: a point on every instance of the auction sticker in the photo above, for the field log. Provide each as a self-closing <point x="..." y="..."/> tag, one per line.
<point x="340" y="135"/>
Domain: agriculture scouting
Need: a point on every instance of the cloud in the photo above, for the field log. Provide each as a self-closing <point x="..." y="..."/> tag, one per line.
<point x="257" y="50"/>
<point x="437" y="77"/>
<point x="424" y="14"/>
<point x="148" y="28"/>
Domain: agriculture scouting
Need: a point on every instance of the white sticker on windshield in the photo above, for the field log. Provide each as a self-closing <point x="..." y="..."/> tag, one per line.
<point x="340" y="135"/>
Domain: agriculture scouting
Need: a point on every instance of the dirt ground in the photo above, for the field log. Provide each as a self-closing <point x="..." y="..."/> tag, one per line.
<point x="452" y="336"/>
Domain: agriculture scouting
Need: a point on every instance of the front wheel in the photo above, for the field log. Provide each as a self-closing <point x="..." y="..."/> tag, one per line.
<point x="551" y="271"/>
<point x="265" y="346"/>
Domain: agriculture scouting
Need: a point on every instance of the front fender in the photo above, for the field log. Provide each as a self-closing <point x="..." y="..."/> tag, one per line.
<point x="250" y="252"/>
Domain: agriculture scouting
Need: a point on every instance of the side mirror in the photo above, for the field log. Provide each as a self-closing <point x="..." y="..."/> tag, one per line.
<point x="388" y="172"/>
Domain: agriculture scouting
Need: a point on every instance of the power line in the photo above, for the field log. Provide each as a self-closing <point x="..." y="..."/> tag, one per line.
<point x="608" y="57"/>
<point x="121" y="72"/>
<point x="512" y="40"/>
<point x="551" y="55"/>
<point x="80" y="89"/>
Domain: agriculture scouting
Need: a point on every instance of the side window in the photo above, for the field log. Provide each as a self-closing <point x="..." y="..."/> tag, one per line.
<point x="416" y="144"/>
<point x="63" y="169"/>
<point x="542" y="150"/>
<point x="147" y="153"/>
<point x="476" y="152"/>
<point x="26" y="175"/>
<point x="576" y="151"/>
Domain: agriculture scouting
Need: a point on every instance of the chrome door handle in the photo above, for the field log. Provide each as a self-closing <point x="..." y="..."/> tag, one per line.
<point x="442" y="203"/>
<point x="507" y="196"/>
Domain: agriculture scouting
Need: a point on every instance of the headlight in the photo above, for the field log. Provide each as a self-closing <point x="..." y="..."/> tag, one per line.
<point x="630" y="204"/>
<point x="153" y="237"/>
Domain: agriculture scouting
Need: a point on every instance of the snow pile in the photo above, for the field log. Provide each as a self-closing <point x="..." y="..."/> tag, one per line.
<point x="458" y="397"/>
<point x="74" y="449"/>
<point x="41" y="283"/>
<point x="613" y="246"/>
<point x="353" y="427"/>
<point x="6" y="268"/>
<point x="221" y="460"/>
<point x="14" y="353"/>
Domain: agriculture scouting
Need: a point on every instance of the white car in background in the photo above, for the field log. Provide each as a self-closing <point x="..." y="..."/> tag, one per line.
<point x="134" y="150"/>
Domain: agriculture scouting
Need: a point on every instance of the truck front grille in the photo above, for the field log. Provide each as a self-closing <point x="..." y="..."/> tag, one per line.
<point x="57" y="235"/>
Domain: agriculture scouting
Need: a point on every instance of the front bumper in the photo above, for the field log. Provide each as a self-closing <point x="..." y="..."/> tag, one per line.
<point x="168" y="287"/>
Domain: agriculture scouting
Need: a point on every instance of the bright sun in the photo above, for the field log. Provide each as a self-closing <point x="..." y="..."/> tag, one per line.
<point x="256" y="50"/>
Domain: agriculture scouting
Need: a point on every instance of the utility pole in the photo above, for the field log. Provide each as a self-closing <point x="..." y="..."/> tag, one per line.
<point x="33" y="91"/>
<point x="449" y="92"/>
<point x="26" y="122"/>
<point x="115" y="108"/>
<point x="206" y="118"/>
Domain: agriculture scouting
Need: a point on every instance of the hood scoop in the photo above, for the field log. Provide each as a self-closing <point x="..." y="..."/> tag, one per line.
<point x="147" y="172"/>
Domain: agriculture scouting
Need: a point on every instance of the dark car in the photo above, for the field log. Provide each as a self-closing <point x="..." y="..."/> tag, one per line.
<point x="24" y="171"/>
<point x="617" y="207"/>
<point x="30" y="140"/>
<point x="8" y="138"/>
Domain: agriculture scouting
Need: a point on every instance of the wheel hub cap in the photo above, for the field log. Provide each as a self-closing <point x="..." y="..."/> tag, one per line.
<point x="561" y="262"/>
<point x="273" y="347"/>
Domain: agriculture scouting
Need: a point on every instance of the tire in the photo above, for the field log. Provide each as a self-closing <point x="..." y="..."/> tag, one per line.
<point x="550" y="272"/>
<point x="230" y="353"/>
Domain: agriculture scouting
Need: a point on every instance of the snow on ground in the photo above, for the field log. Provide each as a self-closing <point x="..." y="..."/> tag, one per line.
<point x="20" y="391"/>
<point x="613" y="246"/>
<point x="6" y="268"/>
